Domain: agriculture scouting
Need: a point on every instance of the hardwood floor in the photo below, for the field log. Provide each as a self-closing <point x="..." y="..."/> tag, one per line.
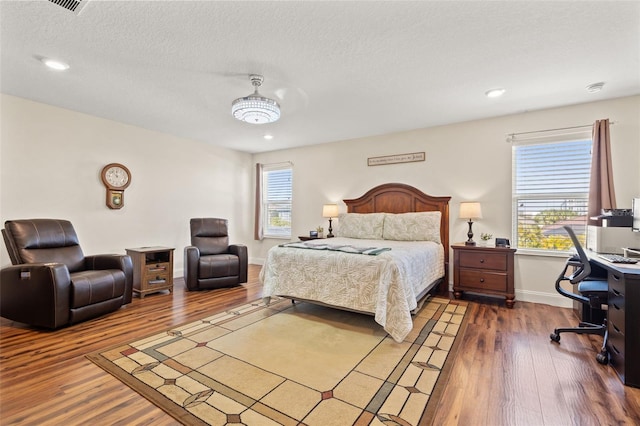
<point x="506" y="372"/>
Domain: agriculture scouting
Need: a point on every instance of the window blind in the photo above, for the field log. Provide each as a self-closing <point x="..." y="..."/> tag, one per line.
<point x="278" y="194"/>
<point x="550" y="190"/>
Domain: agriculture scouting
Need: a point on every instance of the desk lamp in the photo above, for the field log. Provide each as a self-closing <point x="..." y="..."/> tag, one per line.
<point x="470" y="210"/>
<point x="330" y="211"/>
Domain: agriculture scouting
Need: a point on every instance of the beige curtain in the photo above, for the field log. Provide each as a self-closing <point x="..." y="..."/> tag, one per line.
<point x="258" y="233"/>
<point x="601" y="190"/>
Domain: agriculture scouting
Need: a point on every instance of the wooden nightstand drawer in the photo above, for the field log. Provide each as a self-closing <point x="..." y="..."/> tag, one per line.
<point x="156" y="280"/>
<point x="483" y="280"/>
<point x="483" y="260"/>
<point x="487" y="270"/>
<point x="156" y="268"/>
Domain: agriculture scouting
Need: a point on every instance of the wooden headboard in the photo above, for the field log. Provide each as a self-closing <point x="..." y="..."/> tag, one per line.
<point x="402" y="198"/>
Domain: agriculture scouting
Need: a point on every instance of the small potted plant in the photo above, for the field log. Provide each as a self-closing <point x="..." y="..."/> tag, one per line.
<point x="485" y="238"/>
<point x="320" y="230"/>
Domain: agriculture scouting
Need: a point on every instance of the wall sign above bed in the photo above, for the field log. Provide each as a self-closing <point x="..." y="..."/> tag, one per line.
<point x="397" y="158"/>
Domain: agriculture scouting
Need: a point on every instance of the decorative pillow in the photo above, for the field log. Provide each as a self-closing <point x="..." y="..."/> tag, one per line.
<point x="422" y="226"/>
<point x="360" y="225"/>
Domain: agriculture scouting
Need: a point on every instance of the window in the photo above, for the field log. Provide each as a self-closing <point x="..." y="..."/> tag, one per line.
<point x="277" y="181"/>
<point x="550" y="190"/>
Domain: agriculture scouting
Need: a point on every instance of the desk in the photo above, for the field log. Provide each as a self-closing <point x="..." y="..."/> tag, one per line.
<point x="623" y="318"/>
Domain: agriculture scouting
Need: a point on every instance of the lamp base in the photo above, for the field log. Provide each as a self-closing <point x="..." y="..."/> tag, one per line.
<point x="470" y="241"/>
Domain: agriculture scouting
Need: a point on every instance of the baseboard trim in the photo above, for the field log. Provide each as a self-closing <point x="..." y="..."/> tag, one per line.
<point x="543" y="297"/>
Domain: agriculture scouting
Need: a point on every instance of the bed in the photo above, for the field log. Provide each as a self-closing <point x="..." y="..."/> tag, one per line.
<point x="405" y="236"/>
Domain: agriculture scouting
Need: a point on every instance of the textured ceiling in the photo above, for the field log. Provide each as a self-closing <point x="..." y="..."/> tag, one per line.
<point x="340" y="70"/>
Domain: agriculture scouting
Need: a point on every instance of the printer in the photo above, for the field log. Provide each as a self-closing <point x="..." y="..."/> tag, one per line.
<point x="608" y="239"/>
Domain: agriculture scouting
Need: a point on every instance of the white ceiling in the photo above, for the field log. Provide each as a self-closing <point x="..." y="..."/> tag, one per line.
<point x="340" y="70"/>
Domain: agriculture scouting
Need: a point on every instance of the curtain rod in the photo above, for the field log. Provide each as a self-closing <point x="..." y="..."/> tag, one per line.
<point x="282" y="163"/>
<point x="510" y="136"/>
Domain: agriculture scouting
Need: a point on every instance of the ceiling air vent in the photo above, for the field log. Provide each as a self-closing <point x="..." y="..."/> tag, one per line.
<point x="73" y="5"/>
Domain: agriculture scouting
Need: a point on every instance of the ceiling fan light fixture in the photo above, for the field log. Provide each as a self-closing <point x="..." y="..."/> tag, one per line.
<point x="255" y="108"/>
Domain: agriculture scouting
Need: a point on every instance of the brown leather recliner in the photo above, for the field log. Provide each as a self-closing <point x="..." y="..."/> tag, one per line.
<point x="52" y="283"/>
<point x="210" y="262"/>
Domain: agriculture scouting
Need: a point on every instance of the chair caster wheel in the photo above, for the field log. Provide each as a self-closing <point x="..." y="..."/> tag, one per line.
<point x="603" y="358"/>
<point x="555" y="337"/>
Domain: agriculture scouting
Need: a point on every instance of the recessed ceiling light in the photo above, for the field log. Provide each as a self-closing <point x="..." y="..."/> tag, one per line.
<point x="55" y="64"/>
<point x="595" y="87"/>
<point x="268" y="137"/>
<point x="494" y="93"/>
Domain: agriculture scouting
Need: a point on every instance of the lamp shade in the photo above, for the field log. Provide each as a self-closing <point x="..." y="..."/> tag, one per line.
<point x="470" y="210"/>
<point x="330" y="210"/>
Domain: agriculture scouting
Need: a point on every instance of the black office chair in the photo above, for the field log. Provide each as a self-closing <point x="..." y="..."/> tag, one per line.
<point x="593" y="293"/>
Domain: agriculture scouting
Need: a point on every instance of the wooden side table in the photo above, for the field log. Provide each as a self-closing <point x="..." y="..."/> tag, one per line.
<point x="487" y="270"/>
<point x="152" y="269"/>
<point x="307" y="238"/>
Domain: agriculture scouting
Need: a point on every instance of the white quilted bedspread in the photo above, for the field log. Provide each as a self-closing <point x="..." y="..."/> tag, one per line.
<point x="385" y="285"/>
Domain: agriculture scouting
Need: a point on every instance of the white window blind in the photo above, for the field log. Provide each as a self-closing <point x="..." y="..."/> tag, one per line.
<point x="550" y="190"/>
<point x="277" y="196"/>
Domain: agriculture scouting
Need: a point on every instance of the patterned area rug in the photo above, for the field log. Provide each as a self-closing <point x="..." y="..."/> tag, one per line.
<point x="293" y="364"/>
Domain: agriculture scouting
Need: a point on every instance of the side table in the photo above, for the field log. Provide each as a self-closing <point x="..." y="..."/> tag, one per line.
<point x="152" y="269"/>
<point x="486" y="270"/>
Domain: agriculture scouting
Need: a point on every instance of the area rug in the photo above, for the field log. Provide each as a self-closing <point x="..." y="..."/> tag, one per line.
<point x="292" y="364"/>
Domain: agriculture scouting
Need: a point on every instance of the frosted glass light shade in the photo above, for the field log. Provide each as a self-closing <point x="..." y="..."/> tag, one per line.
<point x="470" y="210"/>
<point x="255" y="109"/>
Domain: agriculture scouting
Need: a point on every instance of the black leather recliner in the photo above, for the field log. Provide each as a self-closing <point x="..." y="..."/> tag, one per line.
<point x="210" y="262"/>
<point x="52" y="283"/>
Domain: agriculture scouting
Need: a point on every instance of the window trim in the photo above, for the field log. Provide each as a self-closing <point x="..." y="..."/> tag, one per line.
<point x="543" y="138"/>
<point x="268" y="168"/>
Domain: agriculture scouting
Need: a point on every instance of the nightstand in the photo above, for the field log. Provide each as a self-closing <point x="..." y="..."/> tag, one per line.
<point x="487" y="270"/>
<point x="306" y="238"/>
<point x="152" y="269"/>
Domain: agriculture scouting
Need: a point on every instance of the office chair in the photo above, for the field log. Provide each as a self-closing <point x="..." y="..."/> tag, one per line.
<point x="593" y="292"/>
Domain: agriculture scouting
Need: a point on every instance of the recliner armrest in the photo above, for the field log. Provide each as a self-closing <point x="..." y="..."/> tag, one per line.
<point x="240" y="250"/>
<point x="190" y="267"/>
<point x="121" y="262"/>
<point x="37" y="294"/>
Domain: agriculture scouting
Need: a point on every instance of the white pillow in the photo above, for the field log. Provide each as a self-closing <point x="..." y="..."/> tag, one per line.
<point x="421" y="226"/>
<point x="360" y="225"/>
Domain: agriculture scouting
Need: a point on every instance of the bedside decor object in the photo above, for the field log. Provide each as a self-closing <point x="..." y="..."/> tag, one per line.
<point x="470" y="210"/>
<point x="502" y="242"/>
<point x="255" y="108"/>
<point x="330" y="211"/>
<point x="484" y="238"/>
<point x="116" y="178"/>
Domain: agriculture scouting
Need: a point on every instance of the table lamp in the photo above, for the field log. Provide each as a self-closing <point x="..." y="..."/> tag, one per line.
<point x="330" y="211"/>
<point x="470" y="210"/>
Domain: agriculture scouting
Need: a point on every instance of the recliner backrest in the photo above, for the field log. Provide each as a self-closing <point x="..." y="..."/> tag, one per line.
<point x="43" y="241"/>
<point x="210" y="235"/>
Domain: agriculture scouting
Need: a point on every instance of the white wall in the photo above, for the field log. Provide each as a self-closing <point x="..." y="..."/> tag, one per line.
<point x="468" y="161"/>
<point x="51" y="161"/>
